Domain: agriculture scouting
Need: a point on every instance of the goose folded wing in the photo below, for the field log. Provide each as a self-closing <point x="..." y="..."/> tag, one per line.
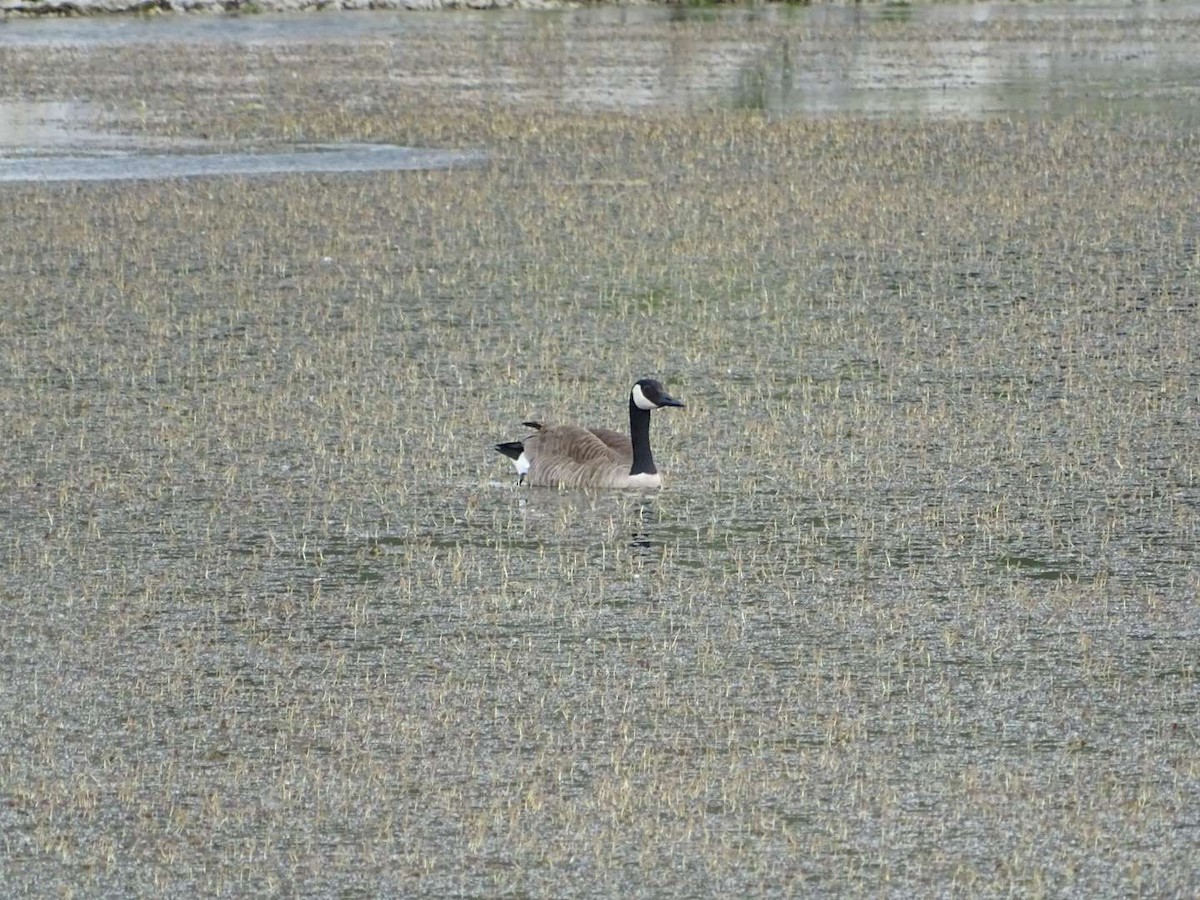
<point x="570" y="442"/>
<point x="616" y="442"/>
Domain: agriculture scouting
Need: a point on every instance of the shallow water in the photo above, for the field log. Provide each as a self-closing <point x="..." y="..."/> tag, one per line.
<point x="955" y="60"/>
<point x="325" y="158"/>
<point x="48" y="141"/>
<point x="913" y="615"/>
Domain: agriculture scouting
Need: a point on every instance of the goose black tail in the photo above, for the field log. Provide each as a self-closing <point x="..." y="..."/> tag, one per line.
<point x="511" y="449"/>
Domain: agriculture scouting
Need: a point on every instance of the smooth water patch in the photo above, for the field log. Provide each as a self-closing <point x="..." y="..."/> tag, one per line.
<point x="58" y="141"/>
<point x="309" y="158"/>
<point x="939" y="61"/>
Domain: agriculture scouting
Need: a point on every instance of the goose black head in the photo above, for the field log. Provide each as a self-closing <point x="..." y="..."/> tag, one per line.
<point x="649" y="394"/>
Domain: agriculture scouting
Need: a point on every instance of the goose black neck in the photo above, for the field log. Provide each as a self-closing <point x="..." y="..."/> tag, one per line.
<point x="639" y="434"/>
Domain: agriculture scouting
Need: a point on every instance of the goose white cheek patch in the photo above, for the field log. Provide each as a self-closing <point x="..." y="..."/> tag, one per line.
<point x="639" y="399"/>
<point x="522" y="464"/>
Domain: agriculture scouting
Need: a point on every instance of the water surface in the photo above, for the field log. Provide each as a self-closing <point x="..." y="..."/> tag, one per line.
<point x="915" y="613"/>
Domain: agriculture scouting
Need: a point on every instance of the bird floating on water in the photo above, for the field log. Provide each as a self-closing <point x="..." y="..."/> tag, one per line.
<point x="570" y="456"/>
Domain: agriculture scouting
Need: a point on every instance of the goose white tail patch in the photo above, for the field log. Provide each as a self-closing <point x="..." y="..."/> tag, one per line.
<point x="640" y="401"/>
<point x="522" y="464"/>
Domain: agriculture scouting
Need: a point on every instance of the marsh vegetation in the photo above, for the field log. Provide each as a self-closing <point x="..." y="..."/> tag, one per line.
<point x="915" y="614"/>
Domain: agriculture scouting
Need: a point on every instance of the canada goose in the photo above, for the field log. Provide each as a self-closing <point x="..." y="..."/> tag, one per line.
<point x="570" y="456"/>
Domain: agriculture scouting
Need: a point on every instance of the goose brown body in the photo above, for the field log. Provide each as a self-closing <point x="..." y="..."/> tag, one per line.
<point x="570" y="456"/>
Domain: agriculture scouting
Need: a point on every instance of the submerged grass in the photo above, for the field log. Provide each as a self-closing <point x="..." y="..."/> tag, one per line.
<point x="915" y="614"/>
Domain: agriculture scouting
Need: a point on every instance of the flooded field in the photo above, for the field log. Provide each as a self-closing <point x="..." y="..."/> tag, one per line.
<point x="914" y="614"/>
